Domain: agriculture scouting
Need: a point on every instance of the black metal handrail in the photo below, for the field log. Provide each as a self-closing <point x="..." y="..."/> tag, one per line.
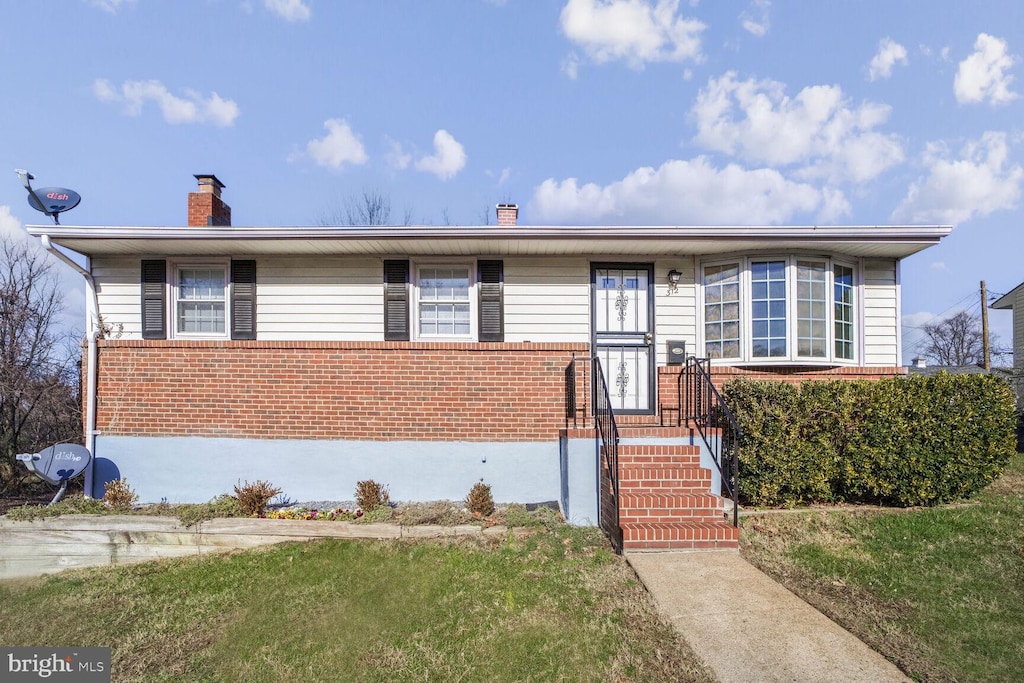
<point x="606" y="433"/>
<point x="706" y="410"/>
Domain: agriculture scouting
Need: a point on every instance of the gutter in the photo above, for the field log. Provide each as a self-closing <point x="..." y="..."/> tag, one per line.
<point x="92" y="334"/>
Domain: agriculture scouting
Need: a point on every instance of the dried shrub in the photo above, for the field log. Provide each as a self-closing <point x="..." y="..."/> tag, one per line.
<point x="118" y="495"/>
<point x="370" y="494"/>
<point x="480" y="501"/>
<point x="253" y="498"/>
<point x="220" y="507"/>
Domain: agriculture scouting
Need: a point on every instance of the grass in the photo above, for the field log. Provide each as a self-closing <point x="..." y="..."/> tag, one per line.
<point x="550" y="604"/>
<point x="938" y="591"/>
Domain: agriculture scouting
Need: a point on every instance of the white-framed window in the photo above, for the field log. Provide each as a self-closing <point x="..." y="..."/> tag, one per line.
<point x="445" y="300"/>
<point x="772" y="309"/>
<point x="200" y="299"/>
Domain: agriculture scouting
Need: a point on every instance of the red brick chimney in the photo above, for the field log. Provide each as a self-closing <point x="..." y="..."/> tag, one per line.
<point x="205" y="207"/>
<point x="507" y="214"/>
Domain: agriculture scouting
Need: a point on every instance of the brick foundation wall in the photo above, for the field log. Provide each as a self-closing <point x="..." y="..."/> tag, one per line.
<point x="380" y="391"/>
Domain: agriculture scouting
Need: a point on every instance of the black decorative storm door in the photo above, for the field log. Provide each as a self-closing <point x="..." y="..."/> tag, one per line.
<point x="622" y="320"/>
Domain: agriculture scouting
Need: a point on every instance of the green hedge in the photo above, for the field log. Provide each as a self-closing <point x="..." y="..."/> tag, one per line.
<point x="900" y="441"/>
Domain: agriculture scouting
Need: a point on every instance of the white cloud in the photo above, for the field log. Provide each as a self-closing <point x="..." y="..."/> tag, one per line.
<point x="682" y="192"/>
<point x="755" y="20"/>
<point x="10" y="227"/>
<point x="396" y="157"/>
<point x="982" y="75"/>
<point x="818" y="130"/>
<point x="571" y="66"/>
<point x="939" y="266"/>
<point x="339" y="147"/>
<point x="448" y="158"/>
<point x="633" y="31"/>
<point x="505" y="174"/>
<point x="889" y="54"/>
<point x="192" y="108"/>
<point x="289" y="10"/>
<point x="111" y="6"/>
<point x="980" y="182"/>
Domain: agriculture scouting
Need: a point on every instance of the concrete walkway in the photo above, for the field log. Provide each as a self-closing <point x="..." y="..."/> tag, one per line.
<point x="747" y="627"/>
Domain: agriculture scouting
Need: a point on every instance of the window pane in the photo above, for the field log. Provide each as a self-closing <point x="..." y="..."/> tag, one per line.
<point x="768" y="300"/>
<point x="811" y="316"/>
<point x="721" y="310"/>
<point x="201" y="300"/>
<point x="444" y="301"/>
<point x="842" y="277"/>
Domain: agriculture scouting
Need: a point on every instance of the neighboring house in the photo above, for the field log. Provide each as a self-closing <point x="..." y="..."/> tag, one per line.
<point x="1014" y="300"/>
<point x="431" y="357"/>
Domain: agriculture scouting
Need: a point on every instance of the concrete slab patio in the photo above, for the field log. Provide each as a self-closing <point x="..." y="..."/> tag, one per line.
<point x="749" y="628"/>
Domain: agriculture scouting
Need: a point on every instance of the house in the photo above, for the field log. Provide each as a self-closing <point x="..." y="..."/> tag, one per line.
<point x="1014" y="300"/>
<point x="431" y="357"/>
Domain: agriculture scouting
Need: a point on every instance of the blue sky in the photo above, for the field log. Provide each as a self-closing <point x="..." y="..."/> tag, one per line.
<point x="581" y="111"/>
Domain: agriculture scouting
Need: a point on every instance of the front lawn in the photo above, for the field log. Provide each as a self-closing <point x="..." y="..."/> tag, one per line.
<point x="553" y="605"/>
<point x="938" y="591"/>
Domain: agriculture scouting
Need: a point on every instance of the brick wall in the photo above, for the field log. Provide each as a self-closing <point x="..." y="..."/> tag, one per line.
<point x="203" y="204"/>
<point x="379" y="391"/>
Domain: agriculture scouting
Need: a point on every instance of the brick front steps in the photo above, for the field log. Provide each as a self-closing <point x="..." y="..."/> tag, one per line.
<point x="665" y="502"/>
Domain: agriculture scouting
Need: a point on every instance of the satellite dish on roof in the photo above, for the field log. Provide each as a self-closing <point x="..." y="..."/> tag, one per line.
<point x="49" y="200"/>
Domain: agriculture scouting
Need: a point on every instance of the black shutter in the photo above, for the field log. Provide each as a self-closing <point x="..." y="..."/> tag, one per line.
<point x="492" y="319"/>
<point x="154" y="310"/>
<point x="396" y="301"/>
<point x="243" y="299"/>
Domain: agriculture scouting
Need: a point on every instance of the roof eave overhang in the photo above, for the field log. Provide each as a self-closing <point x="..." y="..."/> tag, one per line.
<point x="1007" y="301"/>
<point x="890" y="241"/>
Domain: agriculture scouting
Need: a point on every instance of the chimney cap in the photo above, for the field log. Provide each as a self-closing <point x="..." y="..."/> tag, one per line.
<point x="208" y="180"/>
<point x="508" y="206"/>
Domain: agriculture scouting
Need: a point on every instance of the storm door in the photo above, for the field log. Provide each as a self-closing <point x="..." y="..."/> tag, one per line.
<point x="622" y="321"/>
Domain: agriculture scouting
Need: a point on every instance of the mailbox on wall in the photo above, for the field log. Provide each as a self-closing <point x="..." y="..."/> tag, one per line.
<point x="676" y="352"/>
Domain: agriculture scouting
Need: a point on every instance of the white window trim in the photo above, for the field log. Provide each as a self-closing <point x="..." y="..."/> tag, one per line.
<point x="746" y="321"/>
<point x="173" y="282"/>
<point x="474" y="318"/>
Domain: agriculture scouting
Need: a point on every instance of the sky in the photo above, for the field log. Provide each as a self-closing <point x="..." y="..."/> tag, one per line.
<point x="583" y="112"/>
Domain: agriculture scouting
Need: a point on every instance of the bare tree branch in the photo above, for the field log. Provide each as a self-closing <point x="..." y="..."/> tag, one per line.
<point x="371" y="208"/>
<point x="38" y="386"/>
<point x="957" y="340"/>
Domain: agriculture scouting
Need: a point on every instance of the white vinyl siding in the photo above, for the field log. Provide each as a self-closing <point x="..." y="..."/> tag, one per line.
<point x="547" y="300"/>
<point x="337" y="299"/>
<point x="1018" y="331"/>
<point x="675" y="312"/>
<point x="119" y="294"/>
<point x="881" y="313"/>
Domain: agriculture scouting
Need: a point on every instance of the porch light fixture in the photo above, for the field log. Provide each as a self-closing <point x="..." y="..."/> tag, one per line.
<point x="673" y="280"/>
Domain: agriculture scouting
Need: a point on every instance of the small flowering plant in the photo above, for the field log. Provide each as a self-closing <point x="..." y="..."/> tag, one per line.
<point x="335" y="515"/>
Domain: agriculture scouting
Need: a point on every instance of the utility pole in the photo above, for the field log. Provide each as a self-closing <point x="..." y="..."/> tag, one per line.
<point x="984" y="328"/>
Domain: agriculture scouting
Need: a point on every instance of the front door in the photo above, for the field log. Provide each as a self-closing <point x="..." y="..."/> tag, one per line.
<point x="622" y="321"/>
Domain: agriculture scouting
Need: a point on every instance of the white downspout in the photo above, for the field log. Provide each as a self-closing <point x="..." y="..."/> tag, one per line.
<point x="92" y="312"/>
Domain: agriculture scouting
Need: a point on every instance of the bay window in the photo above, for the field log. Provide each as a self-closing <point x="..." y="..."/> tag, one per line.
<point x="779" y="309"/>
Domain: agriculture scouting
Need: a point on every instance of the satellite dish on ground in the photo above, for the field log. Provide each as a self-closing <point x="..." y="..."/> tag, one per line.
<point x="49" y="200"/>
<point x="57" y="464"/>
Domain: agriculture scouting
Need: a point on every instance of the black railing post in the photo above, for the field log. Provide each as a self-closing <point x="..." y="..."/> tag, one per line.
<point x="707" y="411"/>
<point x="570" y="392"/>
<point x="606" y="435"/>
